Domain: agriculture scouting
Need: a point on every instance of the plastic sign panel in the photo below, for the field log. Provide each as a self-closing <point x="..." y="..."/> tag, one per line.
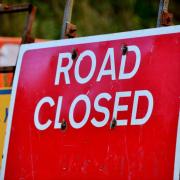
<point x="101" y="107"/>
<point x="4" y="105"/>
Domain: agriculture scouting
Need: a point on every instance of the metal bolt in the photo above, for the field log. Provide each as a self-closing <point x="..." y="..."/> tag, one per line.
<point x="113" y="123"/>
<point x="63" y="125"/>
<point x="74" y="54"/>
<point x="124" y="49"/>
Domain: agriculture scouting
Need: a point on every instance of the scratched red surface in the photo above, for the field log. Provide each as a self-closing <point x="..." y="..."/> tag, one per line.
<point x="125" y="152"/>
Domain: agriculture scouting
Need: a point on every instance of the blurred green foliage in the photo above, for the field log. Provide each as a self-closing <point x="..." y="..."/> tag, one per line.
<point x="90" y="16"/>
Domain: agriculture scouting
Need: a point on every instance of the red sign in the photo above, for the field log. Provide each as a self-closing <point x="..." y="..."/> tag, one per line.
<point x="102" y="107"/>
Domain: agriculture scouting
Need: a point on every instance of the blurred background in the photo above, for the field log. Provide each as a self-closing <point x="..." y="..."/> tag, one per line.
<point x="90" y="16"/>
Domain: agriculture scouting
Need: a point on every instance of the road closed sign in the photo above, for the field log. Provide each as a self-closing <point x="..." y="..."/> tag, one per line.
<point x="100" y="107"/>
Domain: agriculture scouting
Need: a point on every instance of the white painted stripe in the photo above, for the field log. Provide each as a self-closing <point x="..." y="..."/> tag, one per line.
<point x="106" y="37"/>
<point x="177" y="155"/>
<point x="82" y="40"/>
<point x="11" y="108"/>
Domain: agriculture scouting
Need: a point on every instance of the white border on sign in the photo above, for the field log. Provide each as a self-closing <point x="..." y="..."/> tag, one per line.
<point x="11" y="109"/>
<point x="83" y="40"/>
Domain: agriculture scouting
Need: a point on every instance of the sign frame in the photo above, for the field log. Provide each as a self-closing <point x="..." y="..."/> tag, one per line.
<point x="83" y="40"/>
